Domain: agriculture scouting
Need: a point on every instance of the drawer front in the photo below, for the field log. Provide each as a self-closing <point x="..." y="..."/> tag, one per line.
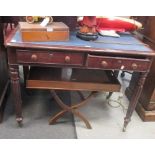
<point x="50" y="58"/>
<point x="120" y="63"/>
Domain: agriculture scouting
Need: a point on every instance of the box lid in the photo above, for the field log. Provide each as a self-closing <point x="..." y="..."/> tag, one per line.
<point x="55" y="26"/>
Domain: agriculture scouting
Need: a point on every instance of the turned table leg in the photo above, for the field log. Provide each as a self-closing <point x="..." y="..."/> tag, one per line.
<point x="14" y="75"/>
<point x="134" y="99"/>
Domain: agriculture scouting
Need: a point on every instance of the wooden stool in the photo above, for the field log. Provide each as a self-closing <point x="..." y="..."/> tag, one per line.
<point x="72" y="109"/>
<point x="79" y="80"/>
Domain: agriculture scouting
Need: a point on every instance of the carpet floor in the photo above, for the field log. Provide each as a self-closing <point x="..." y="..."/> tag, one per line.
<point x="38" y="107"/>
<point x="105" y="117"/>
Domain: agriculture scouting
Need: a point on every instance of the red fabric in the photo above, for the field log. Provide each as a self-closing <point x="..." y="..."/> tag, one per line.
<point x="105" y="23"/>
<point x="114" y="24"/>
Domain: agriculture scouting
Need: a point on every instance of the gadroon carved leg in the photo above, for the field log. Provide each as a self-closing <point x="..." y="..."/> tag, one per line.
<point x="14" y="75"/>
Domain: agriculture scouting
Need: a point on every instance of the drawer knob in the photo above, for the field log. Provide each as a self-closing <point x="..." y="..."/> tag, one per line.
<point x="34" y="57"/>
<point x="67" y="59"/>
<point x="119" y="61"/>
<point x="134" y="66"/>
<point x="104" y="64"/>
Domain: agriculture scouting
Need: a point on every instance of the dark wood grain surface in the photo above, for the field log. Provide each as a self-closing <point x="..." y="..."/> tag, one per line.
<point x="75" y="79"/>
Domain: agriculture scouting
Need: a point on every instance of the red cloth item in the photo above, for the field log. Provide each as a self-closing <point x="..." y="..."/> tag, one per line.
<point x="115" y="24"/>
<point x="118" y="24"/>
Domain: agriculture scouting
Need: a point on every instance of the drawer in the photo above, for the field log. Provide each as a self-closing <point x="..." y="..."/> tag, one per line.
<point x="38" y="57"/>
<point x="119" y="63"/>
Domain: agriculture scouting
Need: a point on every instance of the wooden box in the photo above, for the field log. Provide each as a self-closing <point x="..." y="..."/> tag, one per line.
<point x="57" y="31"/>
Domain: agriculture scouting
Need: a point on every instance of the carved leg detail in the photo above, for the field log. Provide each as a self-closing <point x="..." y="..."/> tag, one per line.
<point x="14" y="74"/>
<point x="134" y="99"/>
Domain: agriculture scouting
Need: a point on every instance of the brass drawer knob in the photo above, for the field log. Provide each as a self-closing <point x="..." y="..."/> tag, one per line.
<point x="67" y="59"/>
<point x="119" y="61"/>
<point x="104" y="64"/>
<point x="134" y="66"/>
<point x="34" y="57"/>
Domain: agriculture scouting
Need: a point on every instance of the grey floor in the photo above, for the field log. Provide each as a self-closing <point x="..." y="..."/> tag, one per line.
<point x="38" y="107"/>
<point x="106" y="118"/>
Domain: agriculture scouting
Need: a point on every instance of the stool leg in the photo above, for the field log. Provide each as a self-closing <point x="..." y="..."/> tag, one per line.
<point x="82" y="103"/>
<point x="61" y="113"/>
<point x="83" y="118"/>
<point x="81" y="95"/>
<point x="69" y="109"/>
<point x="54" y="118"/>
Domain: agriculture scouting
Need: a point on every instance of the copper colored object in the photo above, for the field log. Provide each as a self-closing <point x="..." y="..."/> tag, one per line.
<point x="57" y="31"/>
<point x="88" y="29"/>
<point x="34" y="57"/>
<point x="134" y="66"/>
<point x="67" y="59"/>
<point x="104" y="64"/>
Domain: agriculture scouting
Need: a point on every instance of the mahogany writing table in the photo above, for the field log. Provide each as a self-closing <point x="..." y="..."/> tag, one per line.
<point x="106" y="53"/>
